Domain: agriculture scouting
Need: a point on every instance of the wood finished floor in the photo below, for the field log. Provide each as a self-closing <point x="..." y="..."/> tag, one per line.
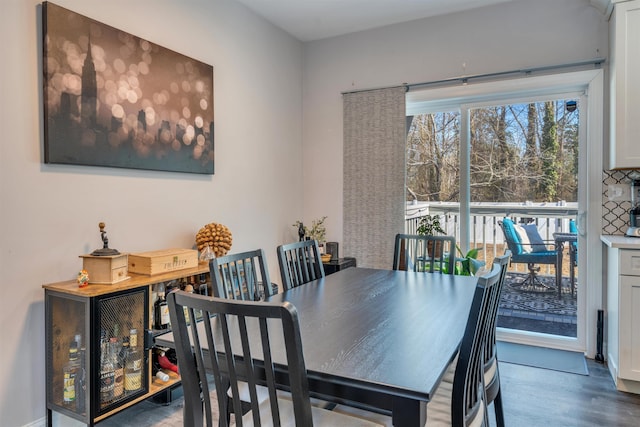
<point x="532" y="397"/>
<point x="542" y="397"/>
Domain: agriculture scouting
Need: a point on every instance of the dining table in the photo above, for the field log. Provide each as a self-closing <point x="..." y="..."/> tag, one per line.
<point x="377" y="339"/>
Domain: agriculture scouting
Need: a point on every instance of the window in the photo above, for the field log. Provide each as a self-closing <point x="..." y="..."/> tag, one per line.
<point x="518" y="152"/>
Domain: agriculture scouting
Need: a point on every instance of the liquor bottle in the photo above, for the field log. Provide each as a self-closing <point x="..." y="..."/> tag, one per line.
<point x="124" y="350"/>
<point x="78" y="340"/>
<point x="107" y="373"/>
<point x="81" y="383"/>
<point x="188" y="288"/>
<point x="161" y="311"/>
<point x="118" y="369"/>
<point x="70" y="371"/>
<point x="122" y="357"/>
<point x="133" y="365"/>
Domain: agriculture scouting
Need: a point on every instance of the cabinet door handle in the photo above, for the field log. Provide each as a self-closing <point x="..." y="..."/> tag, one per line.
<point x="148" y="339"/>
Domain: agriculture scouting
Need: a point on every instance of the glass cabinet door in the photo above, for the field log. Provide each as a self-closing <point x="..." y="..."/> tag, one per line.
<point x="121" y="362"/>
<point x="68" y="354"/>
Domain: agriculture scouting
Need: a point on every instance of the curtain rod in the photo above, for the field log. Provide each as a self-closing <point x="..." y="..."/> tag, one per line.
<point x="597" y="62"/>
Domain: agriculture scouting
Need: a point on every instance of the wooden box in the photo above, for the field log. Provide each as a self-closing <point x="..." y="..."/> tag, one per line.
<point x="162" y="261"/>
<point x="105" y="269"/>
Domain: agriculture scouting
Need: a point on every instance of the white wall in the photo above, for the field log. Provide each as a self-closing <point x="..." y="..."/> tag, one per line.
<point x="513" y="35"/>
<point x="49" y="214"/>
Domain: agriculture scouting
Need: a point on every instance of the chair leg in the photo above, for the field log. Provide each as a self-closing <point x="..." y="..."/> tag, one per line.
<point x="532" y="283"/>
<point x="497" y="406"/>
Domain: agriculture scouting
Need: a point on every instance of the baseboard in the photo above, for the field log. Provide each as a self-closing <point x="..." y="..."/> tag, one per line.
<point x="58" y="420"/>
<point x="42" y="422"/>
<point x="613" y="367"/>
<point x="628" y="385"/>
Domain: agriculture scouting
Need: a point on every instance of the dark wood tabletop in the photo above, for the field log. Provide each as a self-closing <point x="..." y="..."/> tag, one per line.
<point x="380" y="338"/>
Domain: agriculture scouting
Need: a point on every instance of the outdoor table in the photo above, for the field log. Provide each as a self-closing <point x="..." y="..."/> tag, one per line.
<point x="560" y="240"/>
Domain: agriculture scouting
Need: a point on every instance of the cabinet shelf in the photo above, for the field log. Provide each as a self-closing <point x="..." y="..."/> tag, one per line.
<point x="157" y="386"/>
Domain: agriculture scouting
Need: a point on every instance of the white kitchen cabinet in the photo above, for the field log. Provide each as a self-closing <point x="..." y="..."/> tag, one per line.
<point x="624" y="67"/>
<point x="623" y="318"/>
<point x="629" y="331"/>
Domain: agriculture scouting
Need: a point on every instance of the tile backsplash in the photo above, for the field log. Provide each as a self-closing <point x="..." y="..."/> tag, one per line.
<point x="615" y="213"/>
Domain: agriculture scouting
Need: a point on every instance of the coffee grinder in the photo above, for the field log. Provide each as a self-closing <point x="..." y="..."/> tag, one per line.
<point x="634" y="213"/>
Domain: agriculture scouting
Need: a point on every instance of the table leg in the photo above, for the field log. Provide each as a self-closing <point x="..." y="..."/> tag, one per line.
<point x="409" y="412"/>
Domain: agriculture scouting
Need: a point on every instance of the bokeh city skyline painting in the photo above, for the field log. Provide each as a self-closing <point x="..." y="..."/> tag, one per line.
<point x="113" y="99"/>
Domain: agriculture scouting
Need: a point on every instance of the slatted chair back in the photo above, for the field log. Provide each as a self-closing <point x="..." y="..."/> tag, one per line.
<point x="230" y="359"/>
<point x="242" y="276"/>
<point x="238" y="343"/>
<point x="468" y="402"/>
<point x="299" y="263"/>
<point x="413" y="252"/>
<point x="491" y="371"/>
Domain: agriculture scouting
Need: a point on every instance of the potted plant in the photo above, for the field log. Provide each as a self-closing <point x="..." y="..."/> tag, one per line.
<point x="467" y="264"/>
<point x="429" y="225"/>
<point x="317" y="231"/>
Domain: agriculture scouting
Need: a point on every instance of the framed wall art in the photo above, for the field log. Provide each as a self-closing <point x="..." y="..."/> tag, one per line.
<point x="114" y="99"/>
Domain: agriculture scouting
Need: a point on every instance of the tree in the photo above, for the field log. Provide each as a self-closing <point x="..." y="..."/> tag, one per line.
<point x="532" y="162"/>
<point x="549" y="154"/>
<point x="432" y="153"/>
<point x="518" y="152"/>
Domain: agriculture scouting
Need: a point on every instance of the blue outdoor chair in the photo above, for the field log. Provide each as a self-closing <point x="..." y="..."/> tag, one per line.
<point x="530" y="252"/>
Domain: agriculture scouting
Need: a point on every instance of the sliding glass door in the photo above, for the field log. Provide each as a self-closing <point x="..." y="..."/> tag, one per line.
<point x="474" y="161"/>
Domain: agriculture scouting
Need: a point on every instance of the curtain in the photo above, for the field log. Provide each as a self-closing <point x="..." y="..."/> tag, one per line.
<point x="374" y="126"/>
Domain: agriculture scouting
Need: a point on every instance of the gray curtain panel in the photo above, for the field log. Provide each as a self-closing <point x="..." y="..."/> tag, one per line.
<point x="374" y="126"/>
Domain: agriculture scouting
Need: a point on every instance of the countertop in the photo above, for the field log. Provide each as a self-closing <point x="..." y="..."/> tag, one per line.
<point x="621" y="242"/>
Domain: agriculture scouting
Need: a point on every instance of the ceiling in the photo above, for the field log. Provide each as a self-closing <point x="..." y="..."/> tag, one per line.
<point x="309" y="20"/>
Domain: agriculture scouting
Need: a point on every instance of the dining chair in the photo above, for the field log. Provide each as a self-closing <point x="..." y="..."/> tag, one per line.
<point x="242" y="276"/>
<point x="491" y="371"/>
<point x="230" y="354"/>
<point x="461" y="401"/>
<point x="416" y="252"/>
<point x="299" y="263"/>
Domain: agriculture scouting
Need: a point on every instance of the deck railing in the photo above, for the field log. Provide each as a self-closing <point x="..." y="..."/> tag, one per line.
<point x="485" y="231"/>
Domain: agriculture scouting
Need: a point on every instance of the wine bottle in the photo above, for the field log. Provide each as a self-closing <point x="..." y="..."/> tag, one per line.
<point x="70" y="371"/>
<point x="107" y="373"/>
<point x="161" y="311"/>
<point x="81" y="383"/>
<point x="133" y="365"/>
<point x="118" y="369"/>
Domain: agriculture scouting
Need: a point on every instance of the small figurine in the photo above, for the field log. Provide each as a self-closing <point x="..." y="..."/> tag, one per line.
<point x="83" y="278"/>
<point x="301" y="231"/>
<point x="104" y="251"/>
<point x="103" y="236"/>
